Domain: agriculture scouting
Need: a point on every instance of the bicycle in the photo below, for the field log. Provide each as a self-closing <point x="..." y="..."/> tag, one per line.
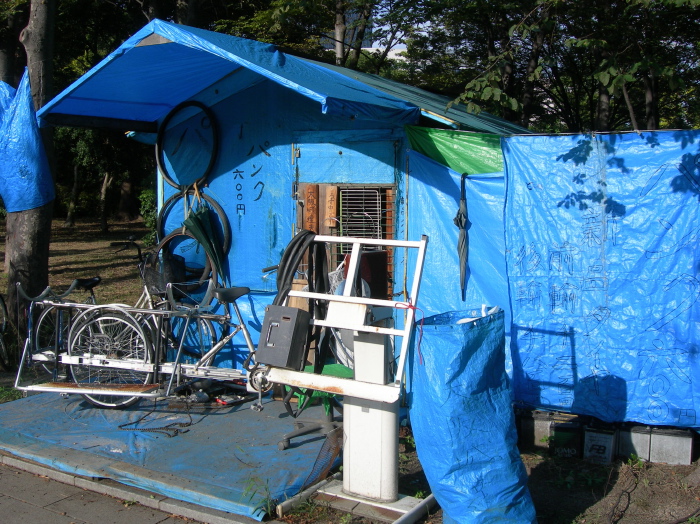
<point x="4" y="355"/>
<point x="113" y="358"/>
<point x="52" y="325"/>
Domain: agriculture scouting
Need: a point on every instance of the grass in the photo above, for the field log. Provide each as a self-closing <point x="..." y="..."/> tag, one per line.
<point x="9" y="394"/>
<point x="84" y="251"/>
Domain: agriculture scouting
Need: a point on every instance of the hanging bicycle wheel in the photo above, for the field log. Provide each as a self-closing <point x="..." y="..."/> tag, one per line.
<point x="110" y="333"/>
<point x="174" y="212"/>
<point x="185" y="264"/>
<point x="187" y="144"/>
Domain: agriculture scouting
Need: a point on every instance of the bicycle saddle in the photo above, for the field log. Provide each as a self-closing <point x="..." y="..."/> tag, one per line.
<point x="88" y="283"/>
<point x="230" y="294"/>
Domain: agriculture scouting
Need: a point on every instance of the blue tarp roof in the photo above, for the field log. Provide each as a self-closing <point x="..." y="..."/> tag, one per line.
<point x="164" y="64"/>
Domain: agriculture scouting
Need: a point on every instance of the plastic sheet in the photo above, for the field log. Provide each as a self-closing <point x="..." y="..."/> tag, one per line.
<point x="225" y="458"/>
<point x="434" y="200"/>
<point x="25" y="178"/>
<point x="464" y="152"/>
<point x="463" y="421"/>
<point x="602" y="251"/>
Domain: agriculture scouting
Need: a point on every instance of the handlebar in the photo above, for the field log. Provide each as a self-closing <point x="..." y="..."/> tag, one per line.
<point x="126" y="244"/>
<point x="48" y="292"/>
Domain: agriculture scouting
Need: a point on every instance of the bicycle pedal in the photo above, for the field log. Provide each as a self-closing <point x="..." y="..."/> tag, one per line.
<point x="257" y="407"/>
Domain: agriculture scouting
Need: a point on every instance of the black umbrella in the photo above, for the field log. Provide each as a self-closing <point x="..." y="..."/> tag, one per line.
<point x="461" y="220"/>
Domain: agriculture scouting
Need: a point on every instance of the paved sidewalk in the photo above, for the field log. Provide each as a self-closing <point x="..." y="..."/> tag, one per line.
<point x="35" y="494"/>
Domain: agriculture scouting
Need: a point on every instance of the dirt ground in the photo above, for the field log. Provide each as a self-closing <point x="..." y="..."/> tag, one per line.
<point x="563" y="490"/>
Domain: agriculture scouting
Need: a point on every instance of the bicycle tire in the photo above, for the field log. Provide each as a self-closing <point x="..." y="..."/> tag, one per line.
<point x="45" y="337"/>
<point x="169" y="205"/>
<point x="4" y="355"/>
<point x="199" y="337"/>
<point x="161" y="139"/>
<point x="198" y="272"/>
<point x="3" y="315"/>
<point x="110" y="332"/>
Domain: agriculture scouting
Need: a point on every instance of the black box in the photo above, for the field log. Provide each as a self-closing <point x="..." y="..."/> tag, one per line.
<point x="283" y="337"/>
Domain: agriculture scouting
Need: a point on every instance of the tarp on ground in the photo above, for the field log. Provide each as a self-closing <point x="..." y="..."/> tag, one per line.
<point x="226" y="458"/>
<point x="25" y="177"/>
<point x="463" y="421"/>
<point x="602" y="251"/>
<point x="464" y="152"/>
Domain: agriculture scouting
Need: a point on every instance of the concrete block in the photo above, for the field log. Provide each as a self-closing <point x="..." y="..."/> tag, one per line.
<point x="672" y="446"/>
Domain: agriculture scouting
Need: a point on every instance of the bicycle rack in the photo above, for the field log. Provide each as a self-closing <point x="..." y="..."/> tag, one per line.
<point x="352" y="315"/>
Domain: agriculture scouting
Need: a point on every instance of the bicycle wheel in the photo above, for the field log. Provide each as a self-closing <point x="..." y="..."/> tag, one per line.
<point x="198" y="338"/>
<point x="187" y="144"/>
<point x="106" y="331"/>
<point x="173" y="213"/>
<point x="186" y="260"/>
<point x="4" y="355"/>
<point x="3" y="315"/>
<point x="46" y="332"/>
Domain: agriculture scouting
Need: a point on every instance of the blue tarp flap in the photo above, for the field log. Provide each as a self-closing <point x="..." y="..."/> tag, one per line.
<point x="224" y="458"/>
<point x="165" y="63"/>
<point x="463" y="421"/>
<point x="434" y="194"/>
<point x="602" y="236"/>
<point x="25" y="178"/>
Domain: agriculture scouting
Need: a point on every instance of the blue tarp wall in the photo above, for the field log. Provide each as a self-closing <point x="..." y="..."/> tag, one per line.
<point x="602" y="258"/>
<point x="256" y="171"/>
<point x="25" y="178"/>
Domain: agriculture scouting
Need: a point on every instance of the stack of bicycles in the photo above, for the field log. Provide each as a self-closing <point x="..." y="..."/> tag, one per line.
<point x="113" y="355"/>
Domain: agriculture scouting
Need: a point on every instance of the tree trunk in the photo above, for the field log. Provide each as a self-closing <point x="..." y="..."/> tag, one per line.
<point x="187" y="12"/>
<point x="38" y="39"/>
<point x="10" y="72"/>
<point x="529" y="91"/>
<point x="360" y="32"/>
<point x="340" y="29"/>
<point x="70" y="216"/>
<point x="29" y="232"/>
<point x="650" y="101"/>
<point x="106" y="182"/>
<point x="603" y="109"/>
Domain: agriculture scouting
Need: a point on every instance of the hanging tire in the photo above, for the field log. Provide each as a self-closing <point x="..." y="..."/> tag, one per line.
<point x="192" y="139"/>
<point x="199" y="269"/>
<point x="175" y="200"/>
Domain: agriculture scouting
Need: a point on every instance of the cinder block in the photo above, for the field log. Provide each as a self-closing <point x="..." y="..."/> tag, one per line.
<point x="672" y="446"/>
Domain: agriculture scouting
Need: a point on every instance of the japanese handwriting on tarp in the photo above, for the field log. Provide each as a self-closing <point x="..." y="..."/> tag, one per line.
<point x="592" y="227"/>
<point x="563" y="298"/>
<point x="240" y="176"/>
<point x="561" y="258"/>
<point x="528" y="294"/>
<point x="528" y="259"/>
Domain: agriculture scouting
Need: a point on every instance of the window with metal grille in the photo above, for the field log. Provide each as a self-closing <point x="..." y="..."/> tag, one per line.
<point x="361" y="211"/>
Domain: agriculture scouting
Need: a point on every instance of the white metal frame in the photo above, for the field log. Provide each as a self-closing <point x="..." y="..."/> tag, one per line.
<point x="380" y="392"/>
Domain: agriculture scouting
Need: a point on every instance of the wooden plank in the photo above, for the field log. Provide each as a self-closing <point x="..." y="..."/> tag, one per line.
<point x="311" y="207"/>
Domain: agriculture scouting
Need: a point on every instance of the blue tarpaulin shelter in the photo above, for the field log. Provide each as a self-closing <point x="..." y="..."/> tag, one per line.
<point x="602" y="259"/>
<point x="287" y="123"/>
<point x="25" y="178"/>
